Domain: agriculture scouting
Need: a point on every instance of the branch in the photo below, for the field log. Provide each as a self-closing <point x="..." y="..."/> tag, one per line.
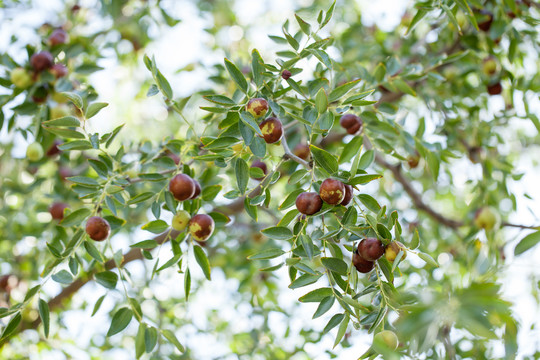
<point x="291" y="156"/>
<point x="416" y="197"/>
<point x="521" y="226"/>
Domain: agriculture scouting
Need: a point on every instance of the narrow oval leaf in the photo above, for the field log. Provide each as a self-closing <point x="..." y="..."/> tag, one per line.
<point x="278" y="233"/>
<point x="202" y="260"/>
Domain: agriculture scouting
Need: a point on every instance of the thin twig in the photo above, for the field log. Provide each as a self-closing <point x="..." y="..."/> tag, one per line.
<point x="291" y="156"/>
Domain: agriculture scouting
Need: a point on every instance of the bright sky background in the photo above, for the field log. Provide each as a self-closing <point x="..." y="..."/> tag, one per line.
<point x="188" y="36"/>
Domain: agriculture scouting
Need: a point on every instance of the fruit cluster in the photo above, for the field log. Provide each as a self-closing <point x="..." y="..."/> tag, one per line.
<point x="331" y="191"/>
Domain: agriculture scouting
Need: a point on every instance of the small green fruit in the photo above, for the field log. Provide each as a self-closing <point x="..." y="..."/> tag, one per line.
<point x="34" y="151"/>
<point x="489" y="66"/>
<point x="486" y="218"/>
<point x="181" y="220"/>
<point x="384" y="341"/>
<point x="20" y="78"/>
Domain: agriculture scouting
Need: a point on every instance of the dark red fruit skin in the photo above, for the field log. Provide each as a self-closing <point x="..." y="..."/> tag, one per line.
<point x="302" y="151"/>
<point x="362" y="265"/>
<point x="332" y="191"/>
<point x="206" y="223"/>
<point x="286" y="74"/>
<point x="54" y="150"/>
<point x="348" y="195"/>
<point x="350" y="122"/>
<point x="486" y="24"/>
<point x="272" y="130"/>
<point x="371" y="249"/>
<point x="59" y="70"/>
<point x="182" y="187"/>
<point x="41" y="61"/>
<point x="494" y="89"/>
<point x="57" y="210"/>
<point x="261" y="108"/>
<point x="413" y="161"/>
<point x="309" y="203"/>
<point x="98" y="228"/>
<point x="197" y="190"/>
<point x="58" y="37"/>
<point x="261" y="165"/>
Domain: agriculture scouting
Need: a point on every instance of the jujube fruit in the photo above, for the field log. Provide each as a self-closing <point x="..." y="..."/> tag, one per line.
<point x="257" y="107"/>
<point x="97" y="228"/>
<point x="41" y="61"/>
<point x="34" y="151"/>
<point x="332" y="191"/>
<point x="201" y="226"/>
<point x="348" y="195"/>
<point x="182" y="187"/>
<point x="384" y="341"/>
<point x="58" y="37"/>
<point x="489" y="66"/>
<point x="494" y="88"/>
<point x="302" y="151"/>
<point x="57" y="210"/>
<point x="20" y="78"/>
<point x="198" y="190"/>
<point x="59" y="70"/>
<point x="272" y="130"/>
<point x="53" y="149"/>
<point x="309" y="203"/>
<point x="393" y="249"/>
<point x="286" y="74"/>
<point x="261" y="165"/>
<point x="180" y="220"/>
<point x="371" y="249"/>
<point x="350" y="122"/>
<point x="485" y="218"/>
<point x="486" y="20"/>
<point x="362" y="265"/>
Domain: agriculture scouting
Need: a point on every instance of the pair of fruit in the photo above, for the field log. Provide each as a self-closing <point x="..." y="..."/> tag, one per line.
<point x="271" y="128"/>
<point x="351" y="123"/>
<point x="331" y="191"/>
<point x="201" y="226"/>
<point x="370" y="250"/>
<point x="184" y="187"/>
<point x="44" y="60"/>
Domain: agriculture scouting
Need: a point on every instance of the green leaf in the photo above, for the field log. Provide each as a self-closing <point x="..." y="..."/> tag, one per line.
<point x="249" y="120"/>
<point x="324" y="306"/>
<point x="403" y="87"/>
<point x="145" y="244"/>
<point x="65" y="133"/>
<point x="74" y="98"/>
<point x="304" y="280"/>
<point x="334" y="264"/>
<point x="94" y="108"/>
<point x="63" y="121"/>
<point x="156" y="226"/>
<point x="43" y="307"/>
<point x="150" y="338"/>
<point x="12" y="325"/>
<point x="316" y="295"/>
<point x="257" y="67"/>
<point x="164" y="85"/>
<point x="202" y="260"/>
<point x="324" y="159"/>
<point x="266" y="254"/>
<point x="366" y="159"/>
<point x="237" y="76"/>
<point x="321" y="101"/>
<point x="209" y="193"/>
<point x="304" y="26"/>
<point x="333" y="322"/>
<point x="467" y="9"/>
<point x="278" y="233"/>
<point x="120" y="321"/>
<point x="307" y="243"/>
<point x="328" y="15"/>
<point x="427" y="258"/>
<point x="351" y="149"/>
<point x="83" y="180"/>
<point x="220" y="99"/>
<point x="169" y="335"/>
<point x="63" y="277"/>
<point x="242" y="174"/>
<point x="341" y="330"/>
<point x="107" y="279"/>
<point x="98" y="305"/>
<point x="75" y="218"/>
<point x="369" y="202"/>
<point x="416" y="19"/>
<point x="187" y="283"/>
<point x="340" y="91"/>
<point x="415" y="240"/>
<point x="527" y="242"/>
<point x="140" y="345"/>
<point x="75" y="145"/>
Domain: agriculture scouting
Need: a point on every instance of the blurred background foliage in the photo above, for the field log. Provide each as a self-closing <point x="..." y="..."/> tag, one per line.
<point x="452" y="117"/>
